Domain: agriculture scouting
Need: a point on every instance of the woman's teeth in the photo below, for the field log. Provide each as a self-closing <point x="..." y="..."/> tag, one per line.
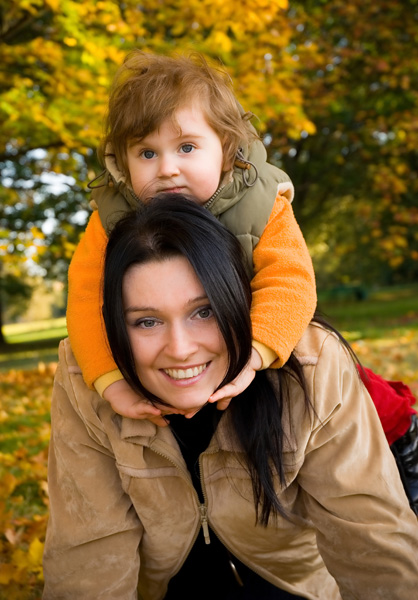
<point x="185" y="373"/>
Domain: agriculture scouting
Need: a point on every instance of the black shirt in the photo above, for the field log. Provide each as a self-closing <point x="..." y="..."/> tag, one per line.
<point x="207" y="573"/>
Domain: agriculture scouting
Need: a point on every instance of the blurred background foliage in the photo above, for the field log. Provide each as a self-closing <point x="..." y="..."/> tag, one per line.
<point x="334" y="86"/>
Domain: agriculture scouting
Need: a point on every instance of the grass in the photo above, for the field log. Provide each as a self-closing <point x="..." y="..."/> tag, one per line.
<point x="383" y="331"/>
<point x="29" y="344"/>
<point x="388" y="311"/>
<point x="20" y="333"/>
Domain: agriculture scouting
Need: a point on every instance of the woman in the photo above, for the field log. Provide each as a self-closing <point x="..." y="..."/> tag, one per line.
<point x="293" y="492"/>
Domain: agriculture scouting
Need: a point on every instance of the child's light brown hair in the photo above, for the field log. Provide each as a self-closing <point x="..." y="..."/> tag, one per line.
<point x="150" y="88"/>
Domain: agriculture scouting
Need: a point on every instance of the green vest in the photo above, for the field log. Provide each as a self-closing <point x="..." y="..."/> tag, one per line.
<point x="243" y="205"/>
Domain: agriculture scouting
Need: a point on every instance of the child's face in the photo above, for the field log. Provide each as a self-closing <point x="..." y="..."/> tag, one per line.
<point x="187" y="159"/>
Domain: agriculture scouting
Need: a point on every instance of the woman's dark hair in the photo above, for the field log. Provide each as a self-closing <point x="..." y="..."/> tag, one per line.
<point x="173" y="225"/>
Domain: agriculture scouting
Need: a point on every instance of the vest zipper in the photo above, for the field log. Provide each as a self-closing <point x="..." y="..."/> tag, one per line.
<point x="213" y="198"/>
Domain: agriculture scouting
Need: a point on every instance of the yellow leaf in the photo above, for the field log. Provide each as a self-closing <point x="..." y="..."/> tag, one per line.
<point x="37" y="233"/>
<point x="54" y="4"/>
<point x="221" y="41"/>
<point x="8" y="484"/>
<point x="69" y="41"/>
<point x="36" y="550"/>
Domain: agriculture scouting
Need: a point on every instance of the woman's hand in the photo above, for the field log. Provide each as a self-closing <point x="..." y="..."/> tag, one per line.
<point x="128" y="403"/>
<point x="239" y="384"/>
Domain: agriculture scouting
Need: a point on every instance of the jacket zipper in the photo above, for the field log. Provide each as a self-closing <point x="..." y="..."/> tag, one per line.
<point x="203" y="510"/>
<point x="206" y="520"/>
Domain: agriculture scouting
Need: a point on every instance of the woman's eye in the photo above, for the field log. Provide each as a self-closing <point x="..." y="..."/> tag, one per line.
<point x="146" y="323"/>
<point x="187" y="148"/>
<point x="147" y="154"/>
<point x="205" y="313"/>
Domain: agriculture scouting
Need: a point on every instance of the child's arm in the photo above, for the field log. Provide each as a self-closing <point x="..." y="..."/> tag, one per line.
<point x="87" y="331"/>
<point x="284" y="292"/>
<point x="284" y="297"/>
<point x="84" y="315"/>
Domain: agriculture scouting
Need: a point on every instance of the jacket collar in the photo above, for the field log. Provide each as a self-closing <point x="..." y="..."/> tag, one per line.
<point x="161" y="439"/>
<point x="147" y="434"/>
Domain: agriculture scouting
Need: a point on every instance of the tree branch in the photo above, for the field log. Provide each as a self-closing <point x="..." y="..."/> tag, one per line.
<point x="7" y="35"/>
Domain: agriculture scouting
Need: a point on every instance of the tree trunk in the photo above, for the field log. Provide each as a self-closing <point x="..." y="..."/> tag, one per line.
<point x="2" y="339"/>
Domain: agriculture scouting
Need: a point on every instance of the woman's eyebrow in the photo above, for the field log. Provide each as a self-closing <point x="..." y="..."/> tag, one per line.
<point x="202" y="298"/>
<point x="154" y="309"/>
<point x="140" y="309"/>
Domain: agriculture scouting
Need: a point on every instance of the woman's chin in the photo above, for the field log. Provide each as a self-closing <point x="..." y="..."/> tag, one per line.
<point x="186" y="401"/>
<point x="187" y="412"/>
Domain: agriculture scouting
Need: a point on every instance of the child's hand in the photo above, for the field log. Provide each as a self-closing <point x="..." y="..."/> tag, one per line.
<point x="239" y="384"/>
<point x="128" y="403"/>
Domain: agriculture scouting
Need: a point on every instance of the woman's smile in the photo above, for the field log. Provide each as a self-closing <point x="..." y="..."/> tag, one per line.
<point x="186" y="374"/>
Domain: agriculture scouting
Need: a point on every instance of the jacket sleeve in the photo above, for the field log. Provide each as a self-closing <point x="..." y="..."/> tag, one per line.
<point x="283" y="288"/>
<point x="84" y="310"/>
<point x="93" y="534"/>
<point x="366" y="532"/>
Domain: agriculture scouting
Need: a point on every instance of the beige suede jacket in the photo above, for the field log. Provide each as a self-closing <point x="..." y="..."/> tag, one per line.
<point x="124" y="513"/>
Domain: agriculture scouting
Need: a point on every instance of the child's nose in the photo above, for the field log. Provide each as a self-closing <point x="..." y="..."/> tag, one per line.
<point x="168" y="166"/>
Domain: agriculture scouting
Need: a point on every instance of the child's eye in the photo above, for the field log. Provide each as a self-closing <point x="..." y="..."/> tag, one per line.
<point x="187" y="148"/>
<point x="148" y="154"/>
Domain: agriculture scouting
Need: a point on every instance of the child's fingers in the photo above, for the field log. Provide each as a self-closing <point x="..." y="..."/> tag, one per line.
<point x="139" y="410"/>
<point x="223" y="404"/>
<point x="224" y="393"/>
<point x="148" y="408"/>
<point x="149" y="413"/>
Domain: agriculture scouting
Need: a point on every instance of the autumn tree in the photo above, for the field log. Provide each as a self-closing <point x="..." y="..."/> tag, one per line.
<point x="357" y="177"/>
<point x="56" y="63"/>
<point x="333" y="85"/>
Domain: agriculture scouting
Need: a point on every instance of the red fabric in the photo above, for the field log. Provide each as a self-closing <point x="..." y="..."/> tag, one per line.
<point x="393" y="401"/>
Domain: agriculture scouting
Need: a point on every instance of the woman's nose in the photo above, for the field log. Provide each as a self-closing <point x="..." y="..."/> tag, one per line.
<point x="181" y="343"/>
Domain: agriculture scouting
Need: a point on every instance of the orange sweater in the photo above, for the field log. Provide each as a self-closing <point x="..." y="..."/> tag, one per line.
<point x="284" y="297"/>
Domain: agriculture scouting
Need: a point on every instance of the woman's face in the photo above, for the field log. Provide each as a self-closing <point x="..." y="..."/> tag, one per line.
<point x="180" y="354"/>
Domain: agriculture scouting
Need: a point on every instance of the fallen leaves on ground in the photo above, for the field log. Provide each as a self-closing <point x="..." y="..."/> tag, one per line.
<point x="24" y="419"/>
<point x="25" y="398"/>
<point x="394" y="357"/>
